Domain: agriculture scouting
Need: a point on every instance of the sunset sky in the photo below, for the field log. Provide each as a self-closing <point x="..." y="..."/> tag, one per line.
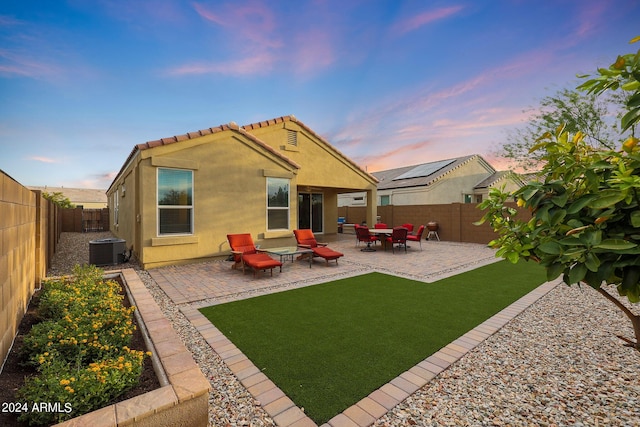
<point x="388" y="83"/>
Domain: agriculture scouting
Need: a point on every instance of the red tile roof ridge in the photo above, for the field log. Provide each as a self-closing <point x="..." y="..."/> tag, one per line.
<point x="292" y="118"/>
<point x="243" y="130"/>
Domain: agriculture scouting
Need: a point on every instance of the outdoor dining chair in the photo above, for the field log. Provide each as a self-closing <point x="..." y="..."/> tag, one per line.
<point x="409" y="227"/>
<point x="417" y="237"/>
<point x="398" y="237"/>
<point x="364" y="235"/>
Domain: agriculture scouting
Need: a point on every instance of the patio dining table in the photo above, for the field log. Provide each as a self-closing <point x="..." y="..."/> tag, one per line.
<point x="382" y="233"/>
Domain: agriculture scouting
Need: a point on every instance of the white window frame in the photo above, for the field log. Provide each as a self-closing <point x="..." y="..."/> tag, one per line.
<point x="190" y="207"/>
<point x="116" y="207"/>
<point x="279" y="208"/>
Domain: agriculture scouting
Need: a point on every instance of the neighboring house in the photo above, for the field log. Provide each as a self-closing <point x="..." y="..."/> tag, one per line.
<point x="461" y="180"/>
<point x="176" y="199"/>
<point x="88" y="198"/>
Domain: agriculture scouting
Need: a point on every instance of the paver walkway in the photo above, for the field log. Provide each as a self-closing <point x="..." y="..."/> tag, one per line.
<point x="199" y="285"/>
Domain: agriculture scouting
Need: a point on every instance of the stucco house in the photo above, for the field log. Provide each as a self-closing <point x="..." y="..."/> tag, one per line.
<point x="465" y="179"/>
<point x="175" y="199"/>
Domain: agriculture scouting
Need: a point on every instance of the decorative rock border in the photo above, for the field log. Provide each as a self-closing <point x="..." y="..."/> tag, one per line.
<point x="183" y="397"/>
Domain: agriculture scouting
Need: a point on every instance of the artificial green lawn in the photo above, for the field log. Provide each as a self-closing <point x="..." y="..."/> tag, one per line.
<point x="327" y="346"/>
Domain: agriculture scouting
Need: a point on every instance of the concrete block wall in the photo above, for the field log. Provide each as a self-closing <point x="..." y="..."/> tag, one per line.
<point x="454" y="219"/>
<point x="23" y="254"/>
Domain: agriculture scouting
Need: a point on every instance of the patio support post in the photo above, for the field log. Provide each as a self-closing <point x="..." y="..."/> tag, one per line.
<point x="372" y="206"/>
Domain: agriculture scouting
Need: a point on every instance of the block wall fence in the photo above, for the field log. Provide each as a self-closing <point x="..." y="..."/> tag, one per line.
<point x="455" y="220"/>
<point x="29" y="232"/>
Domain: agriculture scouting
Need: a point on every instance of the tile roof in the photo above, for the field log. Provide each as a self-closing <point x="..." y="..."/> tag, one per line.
<point x="76" y="195"/>
<point x="498" y="176"/>
<point x="389" y="179"/>
<point x="292" y="118"/>
<point x="244" y="130"/>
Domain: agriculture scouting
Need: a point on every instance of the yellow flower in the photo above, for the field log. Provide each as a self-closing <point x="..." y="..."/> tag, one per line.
<point x="69" y="389"/>
<point x="64" y="382"/>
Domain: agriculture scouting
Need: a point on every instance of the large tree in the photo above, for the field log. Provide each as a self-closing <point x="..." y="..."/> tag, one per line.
<point x="585" y="209"/>
<point x="576" y="111"/>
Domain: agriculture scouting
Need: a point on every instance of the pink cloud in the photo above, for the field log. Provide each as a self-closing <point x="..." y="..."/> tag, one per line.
<point x="22" y="65"/>
<point x="252" y="21"/>
<point x="414" y="22"/>
<point x="43" y="159"/>
<point x="313" y="52"/>
<point x="258" y="64"/>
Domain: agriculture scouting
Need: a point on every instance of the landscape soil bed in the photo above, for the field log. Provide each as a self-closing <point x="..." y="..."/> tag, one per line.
<point x="14" y="371"/>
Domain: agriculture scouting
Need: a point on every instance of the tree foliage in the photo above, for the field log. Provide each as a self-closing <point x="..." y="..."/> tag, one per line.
<point x="585" y="222"/>
<point x="58" y="199"/>
<point x="576" y="111"/>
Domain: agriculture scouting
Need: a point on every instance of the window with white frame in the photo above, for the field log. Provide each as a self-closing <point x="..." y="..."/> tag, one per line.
<point x="175" y="201"/>
<point x="277" y="204"/>
<point x="116" y="204"/>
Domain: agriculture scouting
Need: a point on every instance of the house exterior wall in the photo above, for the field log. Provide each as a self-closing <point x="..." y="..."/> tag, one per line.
<point x="230" y="171"/>
<point x="227" y="198"/>
<point x="323" y="168"/>
<point x="449" y="189"/>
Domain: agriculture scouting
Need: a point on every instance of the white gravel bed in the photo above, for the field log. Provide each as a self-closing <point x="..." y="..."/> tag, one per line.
<point x="557" y="364"/>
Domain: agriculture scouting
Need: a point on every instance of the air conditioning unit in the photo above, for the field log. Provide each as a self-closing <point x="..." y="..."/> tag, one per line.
<point x="106" y="251"/>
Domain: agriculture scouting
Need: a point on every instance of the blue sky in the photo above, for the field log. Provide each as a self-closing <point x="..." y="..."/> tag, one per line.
<point x="388" y="83"/>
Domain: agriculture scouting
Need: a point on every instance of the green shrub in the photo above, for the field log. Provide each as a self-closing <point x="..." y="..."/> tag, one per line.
<point x="80" y="349"/>
<point x="83" y="388"/>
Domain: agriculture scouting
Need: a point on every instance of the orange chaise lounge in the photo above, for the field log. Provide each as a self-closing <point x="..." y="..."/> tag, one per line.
<point x="306" y="239"/>
<point x="245" y="253"/>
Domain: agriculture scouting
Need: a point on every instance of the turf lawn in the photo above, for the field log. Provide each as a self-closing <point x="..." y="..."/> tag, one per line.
<point x="327" y="346"/>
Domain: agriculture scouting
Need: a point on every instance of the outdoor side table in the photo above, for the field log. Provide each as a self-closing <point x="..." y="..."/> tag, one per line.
<point x="288" y="252"/>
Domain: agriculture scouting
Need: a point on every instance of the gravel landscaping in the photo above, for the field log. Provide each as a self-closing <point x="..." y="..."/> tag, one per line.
<point x="558" y="364"/>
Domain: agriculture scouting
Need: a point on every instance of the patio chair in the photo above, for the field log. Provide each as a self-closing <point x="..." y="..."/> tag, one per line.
<point x="363" y="235"/>
<point x="409" y="227"/>
<point x="399" y="237"/>
<point x="417" y="237"/>
<point x="306" y="239"/>
<point x="245" y="253"/>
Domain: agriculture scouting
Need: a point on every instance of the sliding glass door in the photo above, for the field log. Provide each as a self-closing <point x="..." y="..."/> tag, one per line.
<point x="310" y="211"/>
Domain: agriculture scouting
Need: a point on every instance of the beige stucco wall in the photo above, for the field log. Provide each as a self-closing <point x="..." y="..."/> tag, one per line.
<point x="449" y="189"/>
<point x="230" y="191"/>
<point x="323" y="169"/>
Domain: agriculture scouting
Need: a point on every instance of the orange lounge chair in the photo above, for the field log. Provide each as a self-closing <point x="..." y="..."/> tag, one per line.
<point x="306" y="239"/>
<point x="245" y="253"/>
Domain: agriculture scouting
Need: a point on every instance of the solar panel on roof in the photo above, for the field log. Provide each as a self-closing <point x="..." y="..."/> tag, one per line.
<point x="424" y="170"/>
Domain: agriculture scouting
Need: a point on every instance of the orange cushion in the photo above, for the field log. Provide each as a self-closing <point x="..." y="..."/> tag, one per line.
<point x="327" y="253"/>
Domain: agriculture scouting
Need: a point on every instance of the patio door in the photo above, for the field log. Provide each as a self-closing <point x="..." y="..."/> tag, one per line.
<point x="310" y="211"/>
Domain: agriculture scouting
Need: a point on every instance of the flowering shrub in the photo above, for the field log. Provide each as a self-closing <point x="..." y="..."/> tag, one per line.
<point x="81" y="349"/>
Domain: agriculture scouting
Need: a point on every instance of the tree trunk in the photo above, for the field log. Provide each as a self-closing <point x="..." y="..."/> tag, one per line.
<point x="635" y="320"/>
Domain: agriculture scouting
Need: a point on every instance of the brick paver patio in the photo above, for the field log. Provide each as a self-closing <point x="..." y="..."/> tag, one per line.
<point x="199" y="285"/>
